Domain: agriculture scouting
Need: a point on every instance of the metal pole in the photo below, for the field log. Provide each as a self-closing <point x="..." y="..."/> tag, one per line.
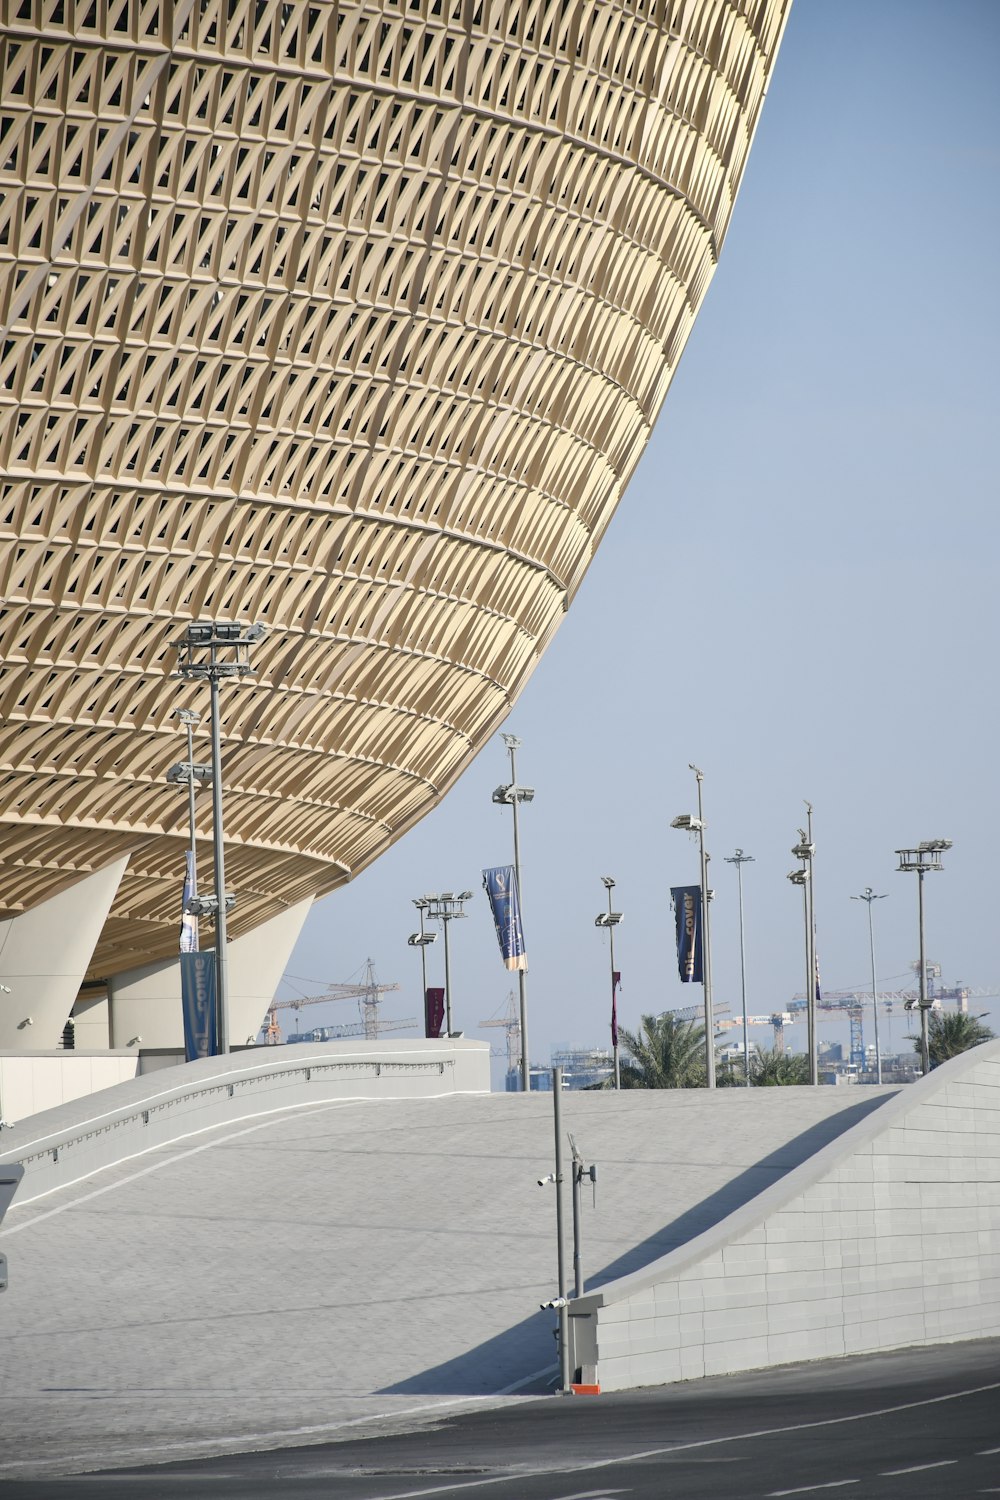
<point x="423" y="960"/>
<point x="739" y="861"/>
<point x="191" y="823"/>
<point x="521" y="976"/>
<point x="221" y="977"/>
<point x="925" y="1042"/>
<point x="811" y="946"/>
<point x="871" y="898"/>
<point x="564" y="1381"/>
<point x="577" y="1208"/>
<point x="809" y="1012"/>
<point x="707" y="954"/>
<point x="445" y="923"/>
<point x="611" y="935"/>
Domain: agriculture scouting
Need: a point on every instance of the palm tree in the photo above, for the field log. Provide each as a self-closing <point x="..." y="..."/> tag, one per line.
<point x="666" y="1054"/>
<point x="952" y="1032"/>
<point x="770" y="1068"/>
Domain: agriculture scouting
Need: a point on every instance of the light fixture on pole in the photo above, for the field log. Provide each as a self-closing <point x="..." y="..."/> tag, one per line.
<point x="513" y="795"/>
<point x="697" y="825"/>
<point x="926" y="856"/>
<point x="422" y="940"/>
<point x="212" y="650"/>
<point x="739" y="859"/>
<point x="445" y="908"/>
<point x="802" y="877"/>
<point x="610" y="919"/>
<point x="868" y="896"/>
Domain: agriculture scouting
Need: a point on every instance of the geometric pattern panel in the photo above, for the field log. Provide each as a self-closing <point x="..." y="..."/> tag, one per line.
<point x="353" y="319"/>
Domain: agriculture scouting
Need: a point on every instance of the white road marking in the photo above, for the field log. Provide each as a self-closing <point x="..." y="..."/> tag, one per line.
<point x="810" y="1489"/>
<point x="987" y="1452"/>
<point x="942" y="1463"/>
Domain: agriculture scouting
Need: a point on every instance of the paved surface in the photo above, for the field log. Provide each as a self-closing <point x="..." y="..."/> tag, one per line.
<point x="266" y="1285"/>
<point x="911" y="1425"/>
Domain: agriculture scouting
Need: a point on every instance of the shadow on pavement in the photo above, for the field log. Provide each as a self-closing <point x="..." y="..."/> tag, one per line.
<point x="529" y="1346"/>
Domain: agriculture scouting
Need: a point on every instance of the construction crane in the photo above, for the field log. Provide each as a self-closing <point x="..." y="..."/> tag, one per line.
<point x="368" y="994"/>
<point x="854" y="1003"/>
<point x="512" y="1026"/>
<point x="357" y="1028"/>
<point x="778" y="1020"/>
<point x="695" y="1012"/>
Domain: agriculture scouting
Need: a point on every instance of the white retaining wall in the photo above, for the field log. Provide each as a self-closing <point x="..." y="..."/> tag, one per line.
<point x="889" y="1236"/>
<point x="70" y="1143"/>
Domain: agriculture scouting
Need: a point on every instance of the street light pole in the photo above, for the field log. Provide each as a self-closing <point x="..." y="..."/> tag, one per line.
<point x="926" y="856"/>
<point x="697" y="825"/>
<point x="214" y="649"/>
<point x="739" y="859"/>
<point x="422" y="940"/>
<point x="804" y="851"/>
<point x="444" y="909"/>
<point x="868" y="896"/>
<point x="514" y="794"/>
<point x="610" y="919"/>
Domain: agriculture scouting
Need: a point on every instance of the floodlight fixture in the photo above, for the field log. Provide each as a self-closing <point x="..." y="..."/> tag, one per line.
<point x="208" y="905"/>
<point x="186" y="771"/>
<point x="609" y="919"/>
<point x="421" y="939"/>
<point x="444" y="908"/>
<point x="608" y="882"/>
<point x="688" y="823"/>
<point x="799" y="877"/>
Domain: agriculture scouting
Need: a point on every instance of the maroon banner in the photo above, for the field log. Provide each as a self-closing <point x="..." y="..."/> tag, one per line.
<point x="433" y="1012"/>
<point x="616" y="980"/>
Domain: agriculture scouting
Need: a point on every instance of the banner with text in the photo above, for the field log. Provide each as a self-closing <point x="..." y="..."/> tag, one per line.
<point x="687" y="914"/>
<point x="198" y="1004"/>
<point x="433" y="1012"/>
<point x="500" y="885"/>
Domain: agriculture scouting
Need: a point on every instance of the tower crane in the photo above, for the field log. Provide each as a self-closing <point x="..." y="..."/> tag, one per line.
<point x="511" y="1024"/>
<point x="368" y="994"/>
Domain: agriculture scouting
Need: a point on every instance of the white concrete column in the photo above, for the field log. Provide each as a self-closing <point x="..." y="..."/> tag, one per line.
<point x="145" y="1003"/>
<point x="44" y="954"/>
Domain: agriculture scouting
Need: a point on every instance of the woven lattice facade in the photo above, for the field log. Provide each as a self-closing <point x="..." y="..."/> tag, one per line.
<point x="350" y="318"/>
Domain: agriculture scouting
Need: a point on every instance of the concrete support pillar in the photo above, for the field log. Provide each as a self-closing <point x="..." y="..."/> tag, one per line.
<point x="145" y="1003"/>
<point x="44" y="954"/>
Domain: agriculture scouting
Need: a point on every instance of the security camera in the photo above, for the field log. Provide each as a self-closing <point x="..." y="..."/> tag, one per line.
<point x="544" y="1181"/>
<point x="555" y="1302"/>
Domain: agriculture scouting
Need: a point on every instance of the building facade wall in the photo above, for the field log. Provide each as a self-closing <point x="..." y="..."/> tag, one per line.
<point x="352" y="319"/>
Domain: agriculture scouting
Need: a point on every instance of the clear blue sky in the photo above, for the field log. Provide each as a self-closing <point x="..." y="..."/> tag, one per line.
<point x="797" y="592"/>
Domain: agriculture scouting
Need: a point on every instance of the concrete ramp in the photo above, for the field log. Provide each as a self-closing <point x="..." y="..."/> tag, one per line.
<point x="275" y="1280"/>
<point x="888" y="1236"/>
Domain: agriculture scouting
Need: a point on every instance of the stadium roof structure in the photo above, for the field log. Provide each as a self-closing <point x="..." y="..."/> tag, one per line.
<point x="350" y="319"/>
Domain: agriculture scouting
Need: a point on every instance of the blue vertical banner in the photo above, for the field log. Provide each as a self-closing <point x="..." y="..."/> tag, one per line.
<point x="189" y="922"/>
<point x="687" y="915"/>
<point x="500" y="885"/>
<point x="198" y="1004"/>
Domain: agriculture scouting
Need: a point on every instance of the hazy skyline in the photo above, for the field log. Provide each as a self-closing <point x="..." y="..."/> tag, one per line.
<point x="795" y="593"/>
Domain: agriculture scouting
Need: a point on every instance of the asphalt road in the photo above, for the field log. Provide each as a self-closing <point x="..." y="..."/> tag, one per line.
<point x="914" y="1425"/>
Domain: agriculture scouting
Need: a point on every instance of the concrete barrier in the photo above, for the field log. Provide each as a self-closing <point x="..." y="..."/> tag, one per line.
<point x="887" y="1237"/>
<point x="67" y="1144"/>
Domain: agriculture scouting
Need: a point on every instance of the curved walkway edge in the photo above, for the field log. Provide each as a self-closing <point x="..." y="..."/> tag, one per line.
<point x="65" y="1145"/>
